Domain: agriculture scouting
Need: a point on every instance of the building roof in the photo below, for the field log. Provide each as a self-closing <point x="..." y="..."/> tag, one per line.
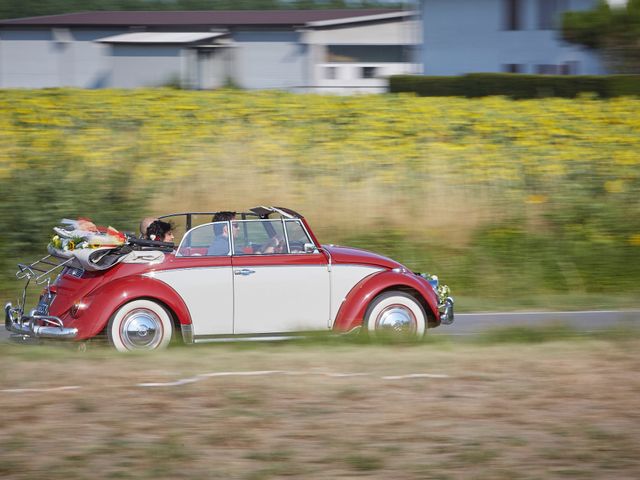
<point x="222" y="18"/>
<point x="161" y="37"/>
<point x="389" y="15"/>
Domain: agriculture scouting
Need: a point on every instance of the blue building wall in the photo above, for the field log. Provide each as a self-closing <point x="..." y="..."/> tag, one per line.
<point x="269" y="59"/>
<point x="36" y="57"/>
<point x="464" y="36"/>
<point x="33" y="57"/>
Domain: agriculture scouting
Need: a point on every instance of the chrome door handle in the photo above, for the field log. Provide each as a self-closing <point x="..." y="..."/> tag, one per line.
<point x="244" y="272"/>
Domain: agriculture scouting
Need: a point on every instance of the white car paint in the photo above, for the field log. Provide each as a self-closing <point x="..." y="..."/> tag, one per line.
<point x="281" y="298"/>
<point x="208" y="294"/>
<point x="343" y="279"/>
<point x="270" y="299"/>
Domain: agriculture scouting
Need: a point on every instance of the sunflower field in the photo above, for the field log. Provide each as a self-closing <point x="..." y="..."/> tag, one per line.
<point x="510" y="202"/>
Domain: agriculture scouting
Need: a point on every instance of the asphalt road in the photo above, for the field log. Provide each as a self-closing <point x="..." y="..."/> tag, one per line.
<point x="473" y="323"/>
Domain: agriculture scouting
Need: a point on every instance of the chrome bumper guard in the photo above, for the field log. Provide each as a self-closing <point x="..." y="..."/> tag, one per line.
<point x="445" y="302"/>
<point x="446" y="311"/>
<point x="36" y="326"/>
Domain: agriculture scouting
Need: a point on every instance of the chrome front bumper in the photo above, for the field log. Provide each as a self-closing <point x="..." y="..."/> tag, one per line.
<point x="445" y="302"/>
<point x="36" y="326"/>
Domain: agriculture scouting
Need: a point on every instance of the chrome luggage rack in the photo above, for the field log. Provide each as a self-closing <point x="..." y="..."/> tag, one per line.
<point x="40" y="270"/>
<point x="38" y="324"/>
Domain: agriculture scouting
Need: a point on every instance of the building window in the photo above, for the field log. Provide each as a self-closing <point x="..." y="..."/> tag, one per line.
<point x="331" y="73"/>
<point x="368" y="54"/>
<point x="368" y="72"/>
<point x="513" y="68"/>
<point x="513" y="15"/>
<point x="549" y="13"/>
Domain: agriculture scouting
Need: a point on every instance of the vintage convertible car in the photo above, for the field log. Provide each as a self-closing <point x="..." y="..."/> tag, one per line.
<point x="271" y="278"/>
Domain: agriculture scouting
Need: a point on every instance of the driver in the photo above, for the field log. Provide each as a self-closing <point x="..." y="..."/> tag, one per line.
<point x="274" y="245"/>
<point x="220" y="245"/>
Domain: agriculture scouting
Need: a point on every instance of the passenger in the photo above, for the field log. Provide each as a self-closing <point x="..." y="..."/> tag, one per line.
<point x="144" y="224"/>
<point x="160" y="231"/>
<point x="220" y="245"/>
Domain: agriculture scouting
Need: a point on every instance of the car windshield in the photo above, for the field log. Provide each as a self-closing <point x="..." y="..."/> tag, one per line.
<point x="246" y="237"/>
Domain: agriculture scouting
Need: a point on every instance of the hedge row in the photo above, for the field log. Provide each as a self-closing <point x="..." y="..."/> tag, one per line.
<point x="516" y="85"/>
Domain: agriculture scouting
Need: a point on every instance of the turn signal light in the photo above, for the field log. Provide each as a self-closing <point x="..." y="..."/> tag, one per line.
<point x="76" y="309"/>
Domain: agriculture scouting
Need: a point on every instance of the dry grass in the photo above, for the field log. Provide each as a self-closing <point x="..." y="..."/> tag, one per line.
<point x="333" y="203"/>
<point x="553" y="410"/>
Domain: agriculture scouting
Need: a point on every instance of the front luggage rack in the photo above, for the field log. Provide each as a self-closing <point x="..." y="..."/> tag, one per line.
<point x="41" y="269"/>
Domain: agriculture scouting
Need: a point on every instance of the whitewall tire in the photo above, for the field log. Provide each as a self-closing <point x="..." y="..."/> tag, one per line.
<point x="395" y="313"/>
<point x="140" y="325"/>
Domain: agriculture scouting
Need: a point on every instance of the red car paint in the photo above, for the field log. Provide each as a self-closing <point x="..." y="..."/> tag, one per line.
<point x="352" y="311"/>
<point x="350" y="255"/>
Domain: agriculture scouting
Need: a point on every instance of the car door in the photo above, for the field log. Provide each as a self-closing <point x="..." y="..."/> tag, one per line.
<point x="277" y="286"/>
<point x="204" y="280"/>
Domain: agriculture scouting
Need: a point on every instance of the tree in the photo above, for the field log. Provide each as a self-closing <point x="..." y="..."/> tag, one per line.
<point x="614" y="32"/>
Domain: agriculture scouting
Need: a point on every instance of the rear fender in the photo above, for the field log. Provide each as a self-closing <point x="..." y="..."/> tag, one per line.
<point x="104" y="301"/>
<point x="352" y="310"/>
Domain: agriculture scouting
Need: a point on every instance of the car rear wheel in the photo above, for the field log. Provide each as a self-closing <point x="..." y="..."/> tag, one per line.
<point x="395" y="313"/>
<point x="140" y="325"/>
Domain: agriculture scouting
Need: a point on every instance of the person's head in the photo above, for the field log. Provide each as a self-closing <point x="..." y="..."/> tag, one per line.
<point x="160" y="231"/>
<point x="222" y="228"/>
<point x="144" y="224"/>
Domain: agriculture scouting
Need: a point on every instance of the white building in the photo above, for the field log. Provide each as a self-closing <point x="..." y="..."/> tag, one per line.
<point x="297" y="50"/>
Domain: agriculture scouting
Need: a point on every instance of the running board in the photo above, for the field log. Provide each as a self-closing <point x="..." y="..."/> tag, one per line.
<point x="274" y="338"/>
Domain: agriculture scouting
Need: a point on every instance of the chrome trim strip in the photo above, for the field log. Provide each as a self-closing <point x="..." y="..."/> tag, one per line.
<point x="286" y="236"/>
<point x="186" y="235"/>
<point x="305" y="230"/>
<point x="273" y="338"/>
<point x="232" y="240"/>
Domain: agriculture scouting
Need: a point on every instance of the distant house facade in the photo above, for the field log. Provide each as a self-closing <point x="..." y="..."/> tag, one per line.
<point x="297" y="50"/>
<point x="515" y="36"/>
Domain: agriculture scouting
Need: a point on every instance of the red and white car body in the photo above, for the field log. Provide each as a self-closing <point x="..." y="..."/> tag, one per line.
<point x="275" y="279"/>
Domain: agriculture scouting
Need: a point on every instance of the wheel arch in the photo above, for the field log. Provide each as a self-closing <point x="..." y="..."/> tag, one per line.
<point x="105" y="301"/>
<point x="352" y="311"/>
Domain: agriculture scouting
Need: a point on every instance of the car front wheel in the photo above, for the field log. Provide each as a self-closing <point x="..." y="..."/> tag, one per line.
<point x="140" y="325"/>
<point x="395" y="313"/>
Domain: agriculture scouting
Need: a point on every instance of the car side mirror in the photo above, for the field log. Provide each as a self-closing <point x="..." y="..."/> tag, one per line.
<point x="310" y="248"/>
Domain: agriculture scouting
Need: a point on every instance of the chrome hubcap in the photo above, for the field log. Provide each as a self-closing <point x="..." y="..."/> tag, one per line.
<point x="141" y="329"/>
<point x="396" y="319"/>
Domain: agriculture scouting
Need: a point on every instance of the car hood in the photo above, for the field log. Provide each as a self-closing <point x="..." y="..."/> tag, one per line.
<point x="340" y="254"/>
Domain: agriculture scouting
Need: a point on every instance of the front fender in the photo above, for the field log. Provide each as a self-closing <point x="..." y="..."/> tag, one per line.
<point x="105" y="300"/>
<point x="352" y="310"/>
